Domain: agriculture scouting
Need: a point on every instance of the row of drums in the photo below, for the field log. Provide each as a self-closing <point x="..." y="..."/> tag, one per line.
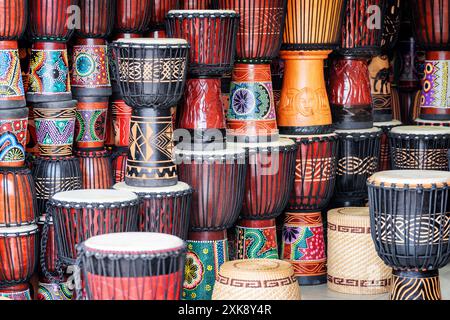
<point x="76" y="216"/>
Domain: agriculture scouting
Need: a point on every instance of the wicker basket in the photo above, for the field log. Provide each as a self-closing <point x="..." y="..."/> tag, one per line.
<point x="262" y="279"/>
<point x="353" y="264"/>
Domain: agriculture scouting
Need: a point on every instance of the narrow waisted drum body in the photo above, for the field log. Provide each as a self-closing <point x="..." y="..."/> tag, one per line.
<point x="96" y="169"/>
<point x="353" y="264"/>
<point x="218" y="178"/>
<point x="385" y="153"/>
<point x="163" y="210"/>
<point x="90" y="125"/>
<point x="358" y="159"/>
<point x="18" y="205"/>
<point x="419" y="148"/>
<point x="18" y="254"/>
<point x="55" y="126"/>
<point x="256" y="239"/>
<point x="13" y="137"/>
<point x="81" y="214"/>
<point x="133" y="266"/>
<point x="409" y="223"/>
<point x="52" y="175"/>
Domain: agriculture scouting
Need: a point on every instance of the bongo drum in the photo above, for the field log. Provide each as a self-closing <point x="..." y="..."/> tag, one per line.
<point x="18" y="254"/>
<point x="18" y="197"/>
<point x="385" y="155"/>
<point x="133" y="266"/>
<point x="55" y="126"/>
<point x="90" y="125"/>
<point x="163" y="210"/>
<point x="419" y="148"/>
<point x="311" y="32"/>
<point x="132" y="16"/>
<point x="12" y="26"/>
<point x="251" y="113"/>
<point x="13" y="137"/>
<point x="432" y="123"/>
<point x="81" y="214"/>
<point x="409" y="225"/>
<point x="211" y="34"/>
<point x="358" y="158"/>
<point x="96" y="169"/>
<point x="54" y="175"/>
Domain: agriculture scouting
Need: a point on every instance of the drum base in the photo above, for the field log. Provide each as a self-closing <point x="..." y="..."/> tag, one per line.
<point x="92" y="92"/>
<point x="416" y="285"/>
<point x="312" y="281"/>
<point x="382" y="117"/>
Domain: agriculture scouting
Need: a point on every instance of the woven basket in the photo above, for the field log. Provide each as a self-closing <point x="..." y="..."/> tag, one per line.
<point x="262" y="279"/>
<point x="353" y="264"/>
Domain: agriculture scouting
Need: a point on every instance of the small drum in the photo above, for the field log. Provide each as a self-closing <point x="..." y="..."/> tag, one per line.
<point x="18" y="254"/>
<point x="59" y="291"/>
<point x="18" y="205"/>
<point x="432" y="123"/>
<point x="419" y="148"/>
<point x="353" y="264"/>
<point x="256" y="280"/>
<point x="133" y="266"/>
<point x="358" y="159"/>
<point x="410" y="227"/>
<point x="133" y="16"/>
<point x="218" y="178"/>
<point x="11" y="81"/>
<point x="96" y="169"/>
<point x="385" y="157"/>
<point x="163" y="210"/>
<point x="81" y="214"/>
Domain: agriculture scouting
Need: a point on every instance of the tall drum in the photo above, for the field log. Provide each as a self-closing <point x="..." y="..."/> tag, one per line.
<point x="409" y="223"/>
<point x="133" y="266"/>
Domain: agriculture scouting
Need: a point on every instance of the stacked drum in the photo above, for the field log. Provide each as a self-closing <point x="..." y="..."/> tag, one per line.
<point x="304" y="117"/>
<point x="18" y="211"/>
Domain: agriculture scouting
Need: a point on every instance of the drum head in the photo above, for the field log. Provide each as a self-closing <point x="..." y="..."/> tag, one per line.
<point x="361" y="131"/>
<point x="179" y="187"/>
<point x="421" y="130"/>
<point x="95" y="196"/>
<point x="18" y="230"/>
<point x="134" y="243"/>
<point x="412" y="178"/>
<point x="152" y="41"/>
<point x="282" y="143"/>
<point x="392" y="123"/>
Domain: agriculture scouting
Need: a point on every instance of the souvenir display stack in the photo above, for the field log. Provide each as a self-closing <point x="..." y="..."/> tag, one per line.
<point x="91" y="87"/>
<point x="304" y="116"/>
<point x="252" y="125"/>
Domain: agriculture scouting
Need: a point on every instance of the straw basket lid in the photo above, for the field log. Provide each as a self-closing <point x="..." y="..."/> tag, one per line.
<point x="351" y="217"/>
<point x="410" y="178"/>
<point x="256" y="279"/>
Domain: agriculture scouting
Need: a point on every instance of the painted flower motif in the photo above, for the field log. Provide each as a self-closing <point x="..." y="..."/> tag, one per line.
<point x="193" y="272"/>
<point x="290" y="235"/>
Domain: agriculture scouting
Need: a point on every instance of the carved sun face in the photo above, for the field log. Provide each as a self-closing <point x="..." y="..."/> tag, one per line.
<point x="305" y="100"/>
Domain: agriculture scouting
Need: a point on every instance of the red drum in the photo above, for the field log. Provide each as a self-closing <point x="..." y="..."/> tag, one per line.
<point x="13" y="20"/>
<point x="82" y="214"/>
<point x="133" y="266"/>
<point x="95" y="169"/>
<point x="218" y="178"/>
<point x="432" y="123"/>
<point x="132" y="16"/>
<point x="18" y="204"/>
<point x="50" y="252"/>
<point x="121" y="121"/>
<point x="119" y="164"/>
<point x="385" y="156"/>
<point x="18" y="254"/>
<point x="163" y="210"/>
<point x="198" y="4"/>
<point x="90" y="125"/>
<point x="97" y="18"/>
<point x="159" y="11"/>
<point x="13" y="137"/>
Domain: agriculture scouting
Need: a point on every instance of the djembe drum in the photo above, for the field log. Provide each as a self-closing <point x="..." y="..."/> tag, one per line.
<point x="132" y="266"/>
<point x="358" y="158"/>
<point x="211" y="34"/>
<point x="13" y="137"/>
<point x="303" y="242"/>
<point x="419" y="148"/>
<point x="251" y="115"/>
<point x="311" y="33"/>
<point x="12" y="26"/>
<point x="218" y="178"/>
<point x="430" y="20"/>
<point x="409" y="225"/>
<point x="385" y="153"/>
<point x="96" y="169"/>
<point x="268" y="184"/>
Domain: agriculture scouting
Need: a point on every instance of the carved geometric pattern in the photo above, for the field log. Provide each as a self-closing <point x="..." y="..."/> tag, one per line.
<point x="357" y="166"/>
<point x="148" y="70"/>
<point x="431" y="159"/>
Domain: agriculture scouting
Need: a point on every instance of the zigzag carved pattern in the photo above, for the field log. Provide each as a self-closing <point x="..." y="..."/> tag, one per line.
<point x="357" y="166"/>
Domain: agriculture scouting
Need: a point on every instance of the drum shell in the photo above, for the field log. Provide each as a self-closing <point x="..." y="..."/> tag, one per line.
<point x="198" y="4"/>
<point x="132" y="16"/>
<point x="212" y="38"/>
<point x="96" y="169"/>
<point x="97" y="18"/>
<point x="48" y="20"/>
<point x="159" y="11"/>
<point x="51" y="251"/>
<point x="392" y="22"/>
<point x="13" y="137"/>
<point x="18" y="257"/>
<point x="418" y="219"/>
<point x="12" y="95"/>
<point x="269" y="182"/>
<point x="17" y="293"/>
<point x="219" y="190"/>
<point x="13" y="21"/>
<point x="54" y="175"/>
<point x="121" y="121"/>
<point x="261" y="28"/>
<point x="119" y="164"/>
<point x="256" y="239"/>
<point x="418" y="152"/>
<point x="306" y="21"/>
<point x="160" y="274"/>
<point x="18" y="205"/>
<point x="32" y="145"/>
<point x="315" y="173"/>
